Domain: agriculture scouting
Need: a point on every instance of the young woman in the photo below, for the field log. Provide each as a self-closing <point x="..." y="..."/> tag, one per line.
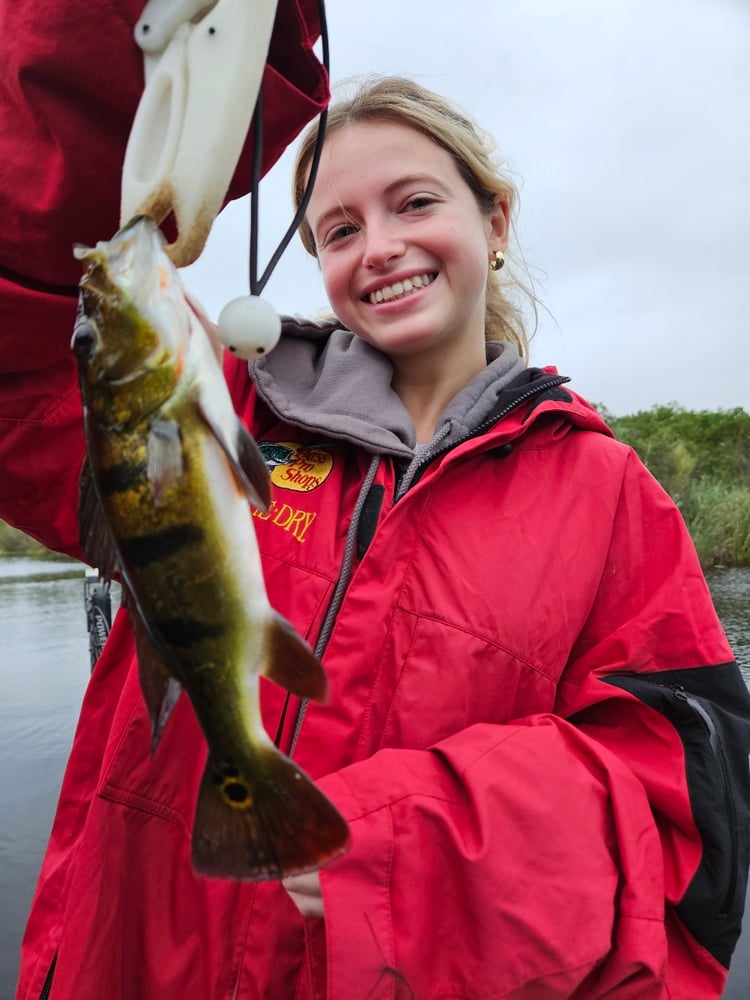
<point x="535" y="728"/>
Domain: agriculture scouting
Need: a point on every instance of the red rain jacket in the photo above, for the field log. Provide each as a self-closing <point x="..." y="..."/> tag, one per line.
<point x="535" y="730"/>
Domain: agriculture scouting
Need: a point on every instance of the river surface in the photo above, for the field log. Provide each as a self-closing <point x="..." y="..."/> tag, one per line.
<point x="44" y="666"/>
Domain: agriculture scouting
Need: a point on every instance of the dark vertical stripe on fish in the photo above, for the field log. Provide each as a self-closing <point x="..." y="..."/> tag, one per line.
<point x="184" y="632"/>
<point x="120" y="478"/>
<point x="158" y="545"/>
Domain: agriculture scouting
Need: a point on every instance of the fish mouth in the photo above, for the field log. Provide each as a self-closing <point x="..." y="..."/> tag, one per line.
<point x="400" y="289"/>
<point x="127" y="262"/>
<point x="133" y="253"/>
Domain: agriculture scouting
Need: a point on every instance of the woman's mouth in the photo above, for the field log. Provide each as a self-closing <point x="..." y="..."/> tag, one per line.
<point x="400" y="288"/>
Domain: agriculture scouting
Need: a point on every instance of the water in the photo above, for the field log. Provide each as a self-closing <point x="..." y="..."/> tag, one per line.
<point x="44" y="666"/>
<point x="730" y="589"/>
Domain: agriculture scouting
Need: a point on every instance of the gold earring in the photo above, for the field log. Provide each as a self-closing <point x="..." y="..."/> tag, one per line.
<point x="497" y="260"/>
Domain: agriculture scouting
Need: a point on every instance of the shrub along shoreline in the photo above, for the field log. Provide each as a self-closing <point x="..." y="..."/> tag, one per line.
<point x="701" y="458"/>
<point x="15" y="543"/>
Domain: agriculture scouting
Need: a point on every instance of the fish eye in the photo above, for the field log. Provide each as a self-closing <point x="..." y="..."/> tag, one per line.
<point x="85" y="338"/>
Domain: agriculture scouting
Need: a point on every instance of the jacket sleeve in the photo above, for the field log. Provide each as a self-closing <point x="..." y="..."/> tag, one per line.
<point x="600" y="851"/>
<point x="66" y="106"/>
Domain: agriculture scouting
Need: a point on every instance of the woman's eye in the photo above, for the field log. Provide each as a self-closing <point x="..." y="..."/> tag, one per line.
<point x="340" y="233"/>
<point x="421" y="201"/>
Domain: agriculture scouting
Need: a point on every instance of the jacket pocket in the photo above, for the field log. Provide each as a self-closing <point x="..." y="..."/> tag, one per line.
<point x="726" y="813"/>
<point x="709" y="707"/>
<point x="47" y="985"/>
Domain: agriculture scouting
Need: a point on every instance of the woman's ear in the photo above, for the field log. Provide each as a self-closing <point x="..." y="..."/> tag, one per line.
<point x="499" y="231"/>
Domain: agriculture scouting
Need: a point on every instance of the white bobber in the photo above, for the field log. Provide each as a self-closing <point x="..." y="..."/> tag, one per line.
<point x="249" y="327"/>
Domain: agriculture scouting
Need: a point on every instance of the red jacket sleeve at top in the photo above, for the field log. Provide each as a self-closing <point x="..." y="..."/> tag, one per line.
<point x="70" y="80"/>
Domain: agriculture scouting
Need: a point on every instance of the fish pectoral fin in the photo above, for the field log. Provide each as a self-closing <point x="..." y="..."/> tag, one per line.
<point x="164" y="450"/>
<point x="159" y="688"/>
<point x="255" y="473"/>
<point x="245" y="459"/>
<point x="266" y="823"/>
<point x="94" y="535"/>
<point x="292" y="664"/>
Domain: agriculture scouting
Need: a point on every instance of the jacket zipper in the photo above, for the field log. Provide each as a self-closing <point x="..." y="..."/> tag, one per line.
<point x="528" y="394"/>
<point x="339" y="591"/>
<point x="338" y="596"/>
<point x="44" y="995"/>
<point x="729" y="810"/>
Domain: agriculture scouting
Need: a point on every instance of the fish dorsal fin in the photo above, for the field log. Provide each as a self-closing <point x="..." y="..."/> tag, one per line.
<point x="159" y="688"/>
<point x="245" y="459"/>
<point x="94" y="534"/>
<point x="164" y="450"/>
<point x="292" y="664"/>
<point x="101" y="551"/>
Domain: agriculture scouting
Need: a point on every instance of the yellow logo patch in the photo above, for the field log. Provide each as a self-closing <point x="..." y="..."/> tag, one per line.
<point x="294" y="467"/>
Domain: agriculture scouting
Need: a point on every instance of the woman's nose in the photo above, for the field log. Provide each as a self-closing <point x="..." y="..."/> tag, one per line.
<point x="382" y="245"/>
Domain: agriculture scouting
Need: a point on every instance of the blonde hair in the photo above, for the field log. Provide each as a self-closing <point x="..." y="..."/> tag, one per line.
<point x="400" y="100"/>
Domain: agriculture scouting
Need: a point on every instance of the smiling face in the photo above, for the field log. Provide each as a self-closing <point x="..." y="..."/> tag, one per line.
<point x="403" y="244"/>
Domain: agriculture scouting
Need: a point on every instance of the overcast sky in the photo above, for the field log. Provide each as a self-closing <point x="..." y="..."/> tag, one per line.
<point x="626" y="123"/>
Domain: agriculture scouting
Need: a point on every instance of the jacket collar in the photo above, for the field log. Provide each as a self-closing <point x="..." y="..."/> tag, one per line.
<point x="330" y="382"/>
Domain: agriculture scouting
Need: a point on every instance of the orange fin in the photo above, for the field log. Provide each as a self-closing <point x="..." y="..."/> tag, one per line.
<point x="266" y="826"/>
<point x="292" y="664"/>
<point x="208" y="326"/>
<point x="254" y="469"/>
<point x="247" y="462"/>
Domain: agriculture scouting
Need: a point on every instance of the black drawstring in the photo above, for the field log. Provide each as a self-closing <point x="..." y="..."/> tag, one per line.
<point x="258" y="284"/>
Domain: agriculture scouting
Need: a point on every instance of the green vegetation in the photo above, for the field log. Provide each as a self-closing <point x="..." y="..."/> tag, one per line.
<point x="702" y="459"/>
<point x="15" y="543"/>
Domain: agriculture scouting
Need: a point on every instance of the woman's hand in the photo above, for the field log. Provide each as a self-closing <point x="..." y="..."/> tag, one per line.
<point x="304" y="891"/>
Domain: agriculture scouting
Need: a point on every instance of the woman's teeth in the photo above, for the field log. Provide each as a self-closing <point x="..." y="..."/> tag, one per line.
<point x="400" y="288"/>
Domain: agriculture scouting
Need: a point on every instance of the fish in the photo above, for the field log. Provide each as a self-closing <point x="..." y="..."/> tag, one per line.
<point x="165" y="500"/>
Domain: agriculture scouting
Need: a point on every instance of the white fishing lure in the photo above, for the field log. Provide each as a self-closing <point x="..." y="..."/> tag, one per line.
<point x="204" y="65"/>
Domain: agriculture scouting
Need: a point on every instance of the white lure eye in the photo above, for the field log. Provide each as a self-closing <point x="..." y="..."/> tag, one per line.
<point x="249" y="327"/>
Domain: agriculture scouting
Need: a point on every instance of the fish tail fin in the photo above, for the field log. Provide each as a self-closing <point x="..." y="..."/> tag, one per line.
<point x="273" y="824"/>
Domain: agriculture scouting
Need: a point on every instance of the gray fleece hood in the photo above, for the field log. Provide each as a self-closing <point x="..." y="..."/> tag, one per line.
<point x="329" y="381"/>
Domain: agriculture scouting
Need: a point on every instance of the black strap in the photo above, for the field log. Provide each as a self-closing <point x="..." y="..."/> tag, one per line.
<point x="368" y="519"/>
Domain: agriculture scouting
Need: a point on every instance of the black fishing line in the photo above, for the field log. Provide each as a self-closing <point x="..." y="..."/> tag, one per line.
<point x="258" y="284"/>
